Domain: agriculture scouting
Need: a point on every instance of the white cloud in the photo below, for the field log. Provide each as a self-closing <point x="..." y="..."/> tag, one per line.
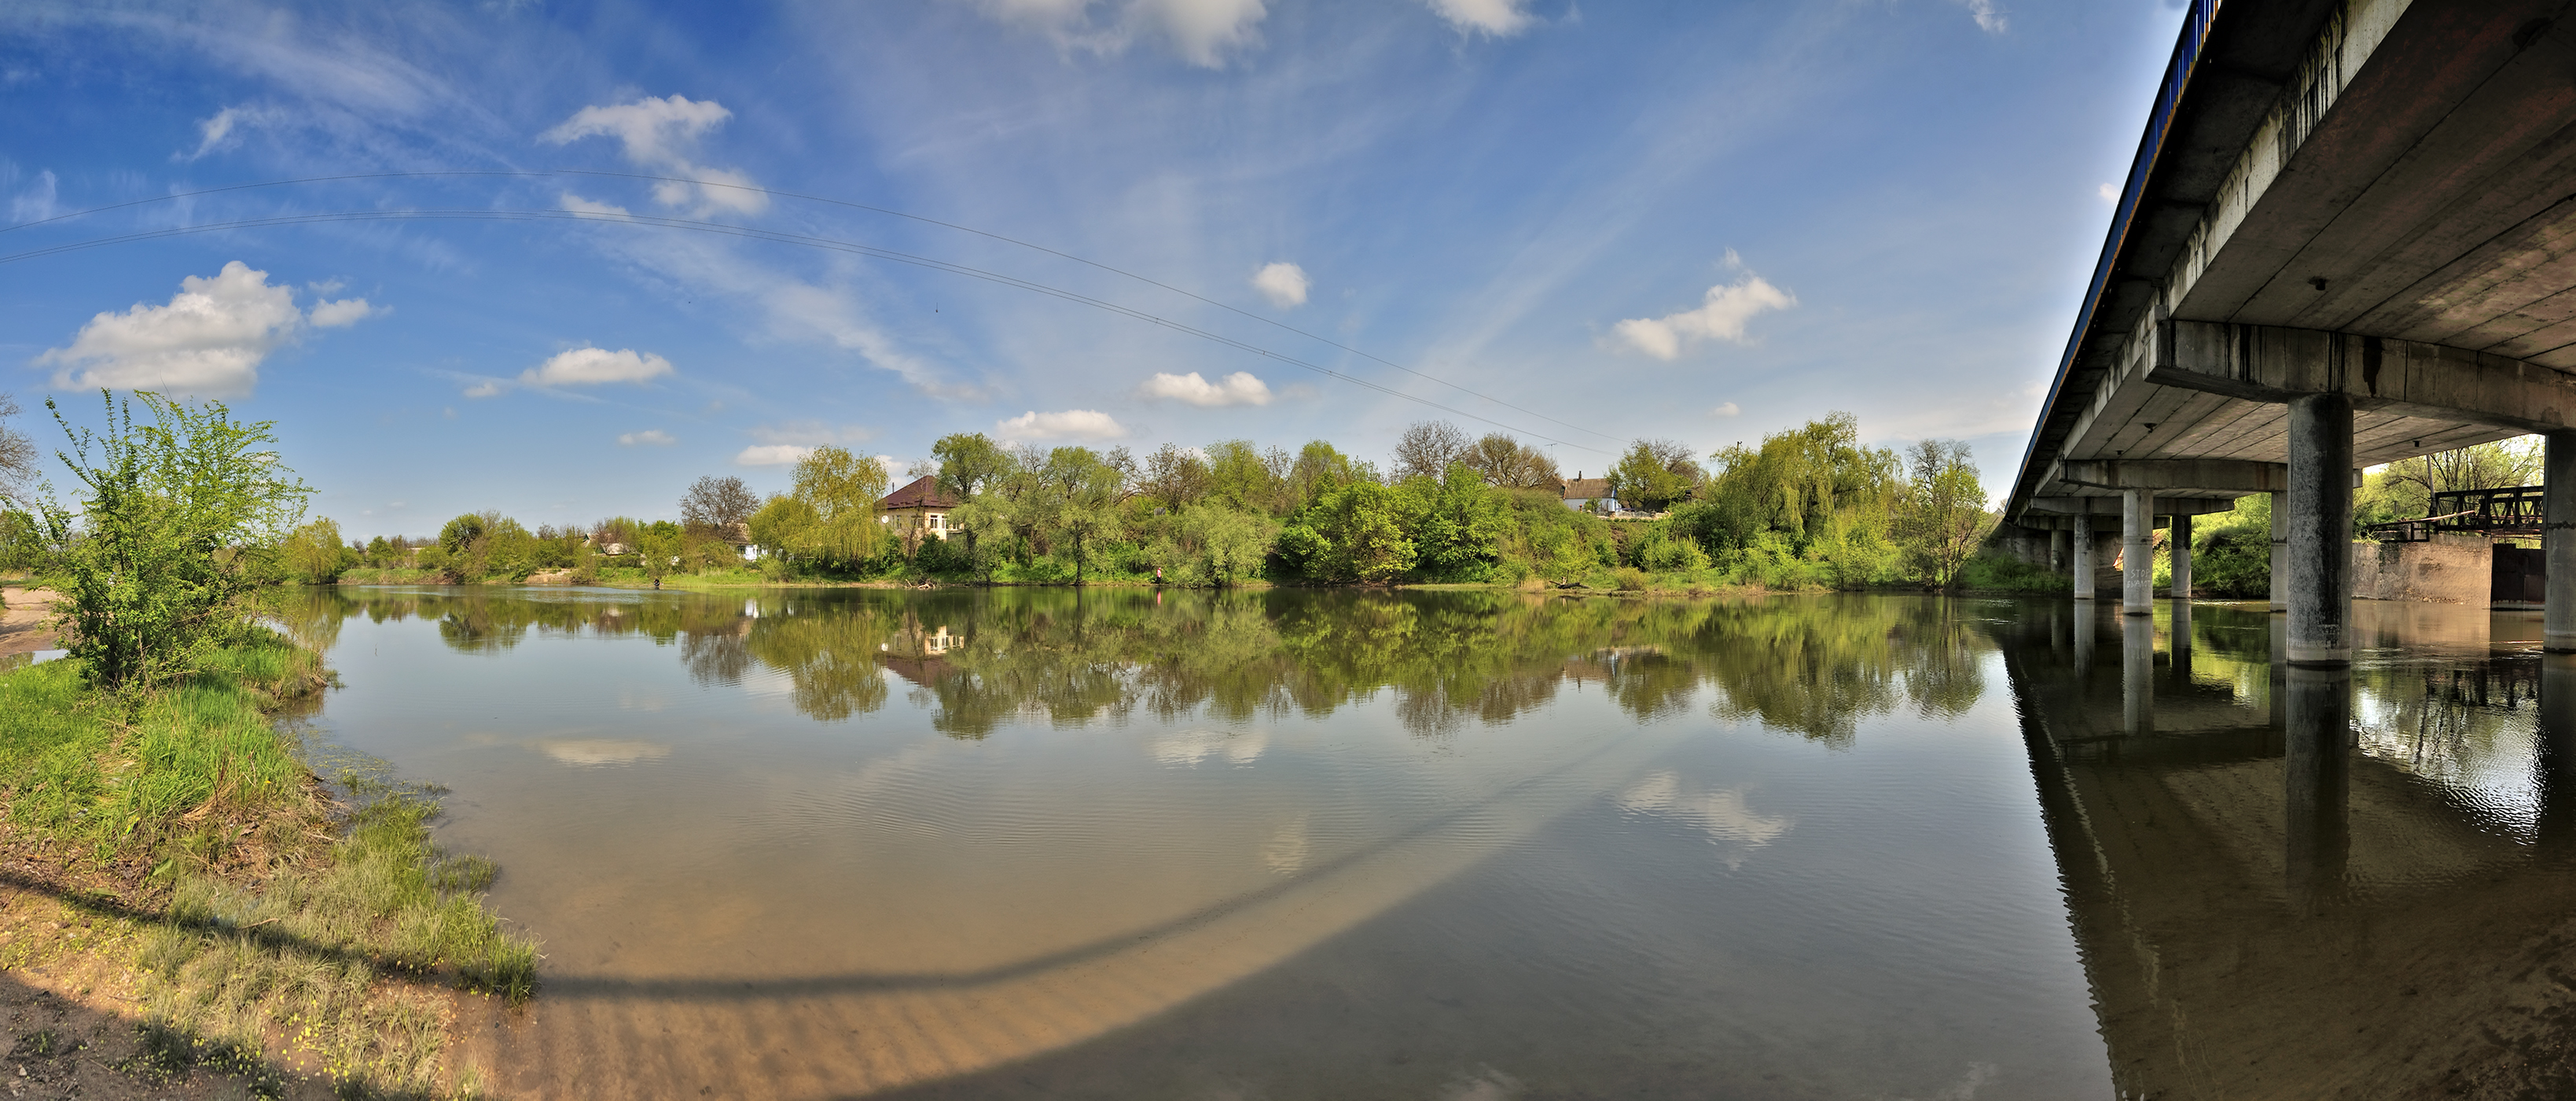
<point x="1721" y="316"/>
<point x="343" y="313"/>
<point x="589" y="209"/>
<point x="484" y="389"/>
<point x="1283" y="284"/>
<point x="1990" y="18"/>
<point x="772" y="454"/>
<point x="2108" y="193"/>
<point x="1499" y="18"/>
<point x="1071" y="424"/>
<point x="1725" y="409"/>
<point x="1239" y="388"/>
<point x="650" y="437"/>
<point x="209" y="341"/>
<point x="662" y="134"/>
<point x="590" y="366"/>
<point x="224" y="130"/>
<point x="813" y="432"/>
<point x="1202" y="32"/>
<point x="37" y="202"/>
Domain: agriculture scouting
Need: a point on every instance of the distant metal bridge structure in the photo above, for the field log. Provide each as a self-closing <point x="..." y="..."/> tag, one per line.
<point x="2514" y="511"/>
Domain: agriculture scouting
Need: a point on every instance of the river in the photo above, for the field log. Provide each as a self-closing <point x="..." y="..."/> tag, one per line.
<point x="1117" y="843"/>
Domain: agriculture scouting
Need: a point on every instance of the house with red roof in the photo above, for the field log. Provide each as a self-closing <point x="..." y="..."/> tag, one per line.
<point x="918" y="509"/>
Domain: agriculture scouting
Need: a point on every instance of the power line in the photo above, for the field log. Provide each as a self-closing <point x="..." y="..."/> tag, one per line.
<point x="775" y="236"/>
<point x="827" y="200"/>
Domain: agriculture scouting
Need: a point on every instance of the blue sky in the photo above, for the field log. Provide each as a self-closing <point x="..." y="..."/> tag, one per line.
<point x="1703" y="221"/>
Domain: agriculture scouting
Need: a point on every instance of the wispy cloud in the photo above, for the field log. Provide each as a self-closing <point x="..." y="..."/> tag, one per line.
<point x="772" y="454"/>
<point x="1990" y="18"/>
<point x="1239" y="388"/>
<point x="650" y="437"/>
<point x="37" y="202"/>
<point x="594" y="366"/>
<point x="662" y="134"/>
<point x="1071" y="424"/>
<point x="1498" y="18"/>
<point x="1201" y="32"/>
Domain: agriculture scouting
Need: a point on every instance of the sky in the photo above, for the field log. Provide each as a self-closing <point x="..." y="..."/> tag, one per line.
<point x="562" y="259"/>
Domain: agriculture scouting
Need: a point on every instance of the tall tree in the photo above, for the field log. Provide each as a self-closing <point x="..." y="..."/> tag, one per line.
<point x="969" y="463"/>
<point x="1174" y="477"/>
<point x="1653" y="475"/>
<point x="719" y="503"/>
<point x="1942" y="516"/>
<point x="1507" y="462"/>
<point x="1427" y="448"/>
<point x="17" y="458"/>
<point x="1082" y="495"/>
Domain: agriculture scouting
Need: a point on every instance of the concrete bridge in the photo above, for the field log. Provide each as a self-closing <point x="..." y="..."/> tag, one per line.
<point x="2348" y="237"/>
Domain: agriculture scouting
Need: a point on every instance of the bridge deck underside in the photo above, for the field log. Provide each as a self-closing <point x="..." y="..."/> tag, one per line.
<point x="2434" y="200"/>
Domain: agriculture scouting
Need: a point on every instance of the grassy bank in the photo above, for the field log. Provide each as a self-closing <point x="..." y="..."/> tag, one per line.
<point x="263" y="924"/>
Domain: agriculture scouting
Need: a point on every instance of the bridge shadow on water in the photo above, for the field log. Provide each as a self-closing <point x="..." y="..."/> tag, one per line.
<point x="2297" y="884"/>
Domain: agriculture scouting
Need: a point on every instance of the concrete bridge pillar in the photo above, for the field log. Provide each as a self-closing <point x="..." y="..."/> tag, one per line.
<point x="2137" y="551"/>
<point x="2083" y="557"/>
<point x="2320" y="530"/>
<point x="2280" y="552"/>
<point x="2060" y="545"/>
<point x="2178" y="544"/>
<point x="2558" y="543"/>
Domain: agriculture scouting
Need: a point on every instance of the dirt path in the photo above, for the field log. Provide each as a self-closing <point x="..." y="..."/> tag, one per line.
<point x="26" y="620"/>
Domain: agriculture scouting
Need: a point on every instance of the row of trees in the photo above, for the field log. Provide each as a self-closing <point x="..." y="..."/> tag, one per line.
<point x="1808" y="507"/>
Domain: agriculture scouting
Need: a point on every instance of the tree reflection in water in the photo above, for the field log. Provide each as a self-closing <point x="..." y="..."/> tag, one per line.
<point x="1815" y="666"/>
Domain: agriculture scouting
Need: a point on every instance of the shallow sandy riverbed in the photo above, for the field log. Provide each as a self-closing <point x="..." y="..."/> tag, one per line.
<point x="26" y="622"/>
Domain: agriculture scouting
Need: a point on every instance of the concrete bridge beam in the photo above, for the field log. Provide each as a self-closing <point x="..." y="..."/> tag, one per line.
<point x="2137" y="552"/>
<point x="2271" y="363"/>
<point x="2320" y="522"/>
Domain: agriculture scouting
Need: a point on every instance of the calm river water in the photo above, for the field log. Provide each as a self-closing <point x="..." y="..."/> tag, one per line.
<point x="1473" y="845"/>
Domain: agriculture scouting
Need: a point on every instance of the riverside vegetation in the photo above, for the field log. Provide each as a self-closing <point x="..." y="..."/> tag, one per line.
<point x="1810" y="508"/>
<point x="261" y="920"/>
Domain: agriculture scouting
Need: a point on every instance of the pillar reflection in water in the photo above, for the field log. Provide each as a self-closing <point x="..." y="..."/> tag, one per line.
<point x="2085" y="621"/>
<point x="2318" y="729"/>
<point x="2557" y="750"/>
<point x="2137" y="674"/>
<point x="2181" y="643"/>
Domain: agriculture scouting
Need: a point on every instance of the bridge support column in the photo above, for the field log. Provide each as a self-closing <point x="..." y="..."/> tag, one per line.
<point x="2137" y="551"/>
<point x="2178" y="544"/>
<point x="2060" y="544"/>
<point x="2083" y="557"/>
<point x="2558" y="543"/>
<point x="2321" y="530"/>
<point x="2280" y="552"/>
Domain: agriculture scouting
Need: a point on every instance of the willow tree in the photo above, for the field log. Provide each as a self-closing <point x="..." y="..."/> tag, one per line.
<point x="839" y="494"/>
